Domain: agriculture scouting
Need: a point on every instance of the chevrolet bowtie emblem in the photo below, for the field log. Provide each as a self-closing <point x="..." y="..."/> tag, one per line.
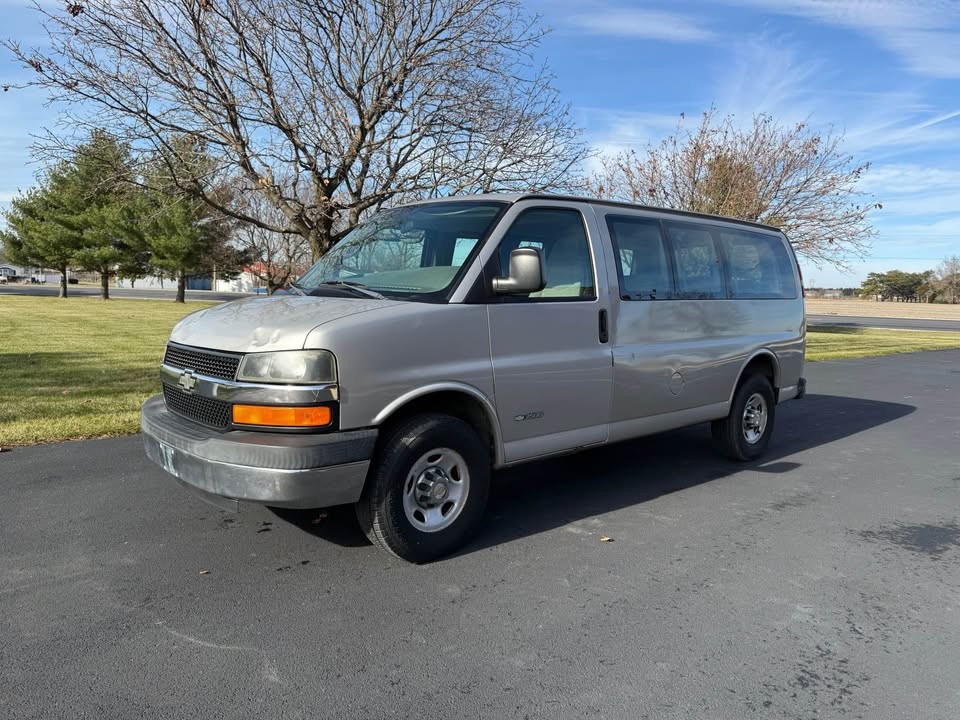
<point x="187" y="381"/>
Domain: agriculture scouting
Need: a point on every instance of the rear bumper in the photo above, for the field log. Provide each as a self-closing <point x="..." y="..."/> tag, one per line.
<point x="295" y="471"/>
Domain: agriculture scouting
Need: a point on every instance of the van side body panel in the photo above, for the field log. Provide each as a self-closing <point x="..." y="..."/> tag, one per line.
<point x="706" y="344"/>
<point x="677" y="362"/>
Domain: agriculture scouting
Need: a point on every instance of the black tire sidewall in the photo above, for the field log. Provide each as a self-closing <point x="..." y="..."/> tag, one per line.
<point x="406" y="444"/>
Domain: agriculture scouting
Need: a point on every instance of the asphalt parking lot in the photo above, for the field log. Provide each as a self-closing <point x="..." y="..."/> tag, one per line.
<point x="822" y="582"/>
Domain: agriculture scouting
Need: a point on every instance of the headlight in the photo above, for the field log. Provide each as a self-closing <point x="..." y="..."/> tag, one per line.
<point x="297" y="367"/>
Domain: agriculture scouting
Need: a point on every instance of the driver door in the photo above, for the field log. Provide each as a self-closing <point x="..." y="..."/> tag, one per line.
<point x="552" y="358"/>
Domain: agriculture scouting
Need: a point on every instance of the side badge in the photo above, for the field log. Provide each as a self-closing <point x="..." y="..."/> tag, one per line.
<point x="529" y="416"/>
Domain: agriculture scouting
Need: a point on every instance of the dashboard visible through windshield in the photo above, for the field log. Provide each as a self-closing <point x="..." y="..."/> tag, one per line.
<point x="414" y="252"/>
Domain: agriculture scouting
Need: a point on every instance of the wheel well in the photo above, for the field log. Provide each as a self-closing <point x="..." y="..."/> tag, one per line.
<point x="761" y="365"/>
<point x="448" y="402"/>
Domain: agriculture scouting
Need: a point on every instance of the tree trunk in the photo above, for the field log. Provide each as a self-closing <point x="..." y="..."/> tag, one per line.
<point x="181" y="286"/>
<point x="313" y="238"/>
<point x="320" y="237"/>
<point x="63" y="280"/>
<point x="104" y="286"/>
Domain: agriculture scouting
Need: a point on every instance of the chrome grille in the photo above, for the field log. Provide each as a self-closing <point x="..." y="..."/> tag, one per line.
<point x="205" y="362"/>
<point x="215" y="413"/>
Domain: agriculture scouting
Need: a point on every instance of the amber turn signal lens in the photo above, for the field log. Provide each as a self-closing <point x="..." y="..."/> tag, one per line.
<point x="295" y="417"/>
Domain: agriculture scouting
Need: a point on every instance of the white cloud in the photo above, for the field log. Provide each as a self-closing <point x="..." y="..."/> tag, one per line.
<point x="925" y="34"/>
<point x="647" y="24"/>
<point x="906" y="178"/>
<point x="891" y="128"/>
<point x="908" y="189"/>
<point x="767" y="75"/>
<point x="920" y="237"/>
<point x="622" y="128"/>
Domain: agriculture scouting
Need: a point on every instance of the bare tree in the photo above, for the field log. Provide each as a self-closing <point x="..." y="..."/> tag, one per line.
<point x="273" y="258"/>
<point x="787" y="176"/>
<point x="946" y="279"/>
<point x="355" y="103"/>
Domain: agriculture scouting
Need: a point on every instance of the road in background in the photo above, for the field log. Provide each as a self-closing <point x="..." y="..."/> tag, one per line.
<point x="132" y="293"/>
<point x="884" y="322"/>
<point x="820" y="582"/>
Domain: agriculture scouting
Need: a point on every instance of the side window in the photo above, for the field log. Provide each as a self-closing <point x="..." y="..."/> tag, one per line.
<point x="697" y="262"/>
<point x="560" y="237"/>
<point x="641" y="258"/>
<point x="758" y="265"/>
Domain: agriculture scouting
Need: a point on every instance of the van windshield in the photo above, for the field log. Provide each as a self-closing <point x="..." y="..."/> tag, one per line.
<point x="413" y="252"/>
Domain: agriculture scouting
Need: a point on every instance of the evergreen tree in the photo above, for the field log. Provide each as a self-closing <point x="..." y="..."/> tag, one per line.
<point x="183" y="234"/>
<point x="81" y="214"/>
<point x="98" y="204"/>
<point x="33" y="236"/>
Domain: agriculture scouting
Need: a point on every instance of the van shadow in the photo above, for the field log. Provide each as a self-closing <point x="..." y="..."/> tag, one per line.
<point x="544" y="495"/>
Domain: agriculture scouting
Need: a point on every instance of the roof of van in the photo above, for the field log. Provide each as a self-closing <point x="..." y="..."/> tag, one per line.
<point x="516" y="197"/>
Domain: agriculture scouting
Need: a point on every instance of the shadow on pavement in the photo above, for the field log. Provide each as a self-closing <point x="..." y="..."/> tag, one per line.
<point x="540" y="496"/>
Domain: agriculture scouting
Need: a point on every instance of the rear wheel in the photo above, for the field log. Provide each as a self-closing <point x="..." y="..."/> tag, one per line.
<point x="427" y="489"/>
<point x="745" y="433"/>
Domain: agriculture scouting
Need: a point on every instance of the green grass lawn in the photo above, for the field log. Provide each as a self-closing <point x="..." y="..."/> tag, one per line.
<point x="80" y="368"/>
<point x="839" y="343"/>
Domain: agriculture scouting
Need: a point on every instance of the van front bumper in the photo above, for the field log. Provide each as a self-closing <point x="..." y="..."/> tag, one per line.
<point x="282" y="470"/>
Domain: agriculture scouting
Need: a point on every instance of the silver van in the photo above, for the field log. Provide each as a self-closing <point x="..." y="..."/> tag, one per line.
<point x="439" y="341"/>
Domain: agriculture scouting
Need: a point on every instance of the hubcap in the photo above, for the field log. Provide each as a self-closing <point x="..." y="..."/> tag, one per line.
<point x="436" y="490"/>
<point x="754" y="418"/>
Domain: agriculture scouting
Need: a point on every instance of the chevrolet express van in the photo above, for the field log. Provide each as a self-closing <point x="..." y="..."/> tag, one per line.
<point x="439" y="341"/>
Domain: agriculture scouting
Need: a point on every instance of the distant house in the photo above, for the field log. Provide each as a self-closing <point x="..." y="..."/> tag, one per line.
<point x="12" y="273"/>
<point x="250" y="280"/>
<point x="243" y="282"/>
<point x="15" y="273"/>
<point x="825" y="293"/>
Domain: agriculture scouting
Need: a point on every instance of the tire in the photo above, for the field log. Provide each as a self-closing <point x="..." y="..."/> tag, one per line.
<point x="427" y="488"/>
<point x="742" y="438"/>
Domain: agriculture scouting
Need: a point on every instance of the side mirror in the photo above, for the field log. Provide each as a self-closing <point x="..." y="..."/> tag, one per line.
<point x="525" y="276"/>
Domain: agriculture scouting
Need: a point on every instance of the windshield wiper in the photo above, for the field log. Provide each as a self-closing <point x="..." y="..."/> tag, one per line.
<point x="359" y="287"/>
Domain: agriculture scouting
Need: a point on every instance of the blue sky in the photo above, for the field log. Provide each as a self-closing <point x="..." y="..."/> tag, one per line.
<point x="884" y="72"/>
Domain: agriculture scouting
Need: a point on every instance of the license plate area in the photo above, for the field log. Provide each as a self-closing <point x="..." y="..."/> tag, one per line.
<point x="167" y="458"/>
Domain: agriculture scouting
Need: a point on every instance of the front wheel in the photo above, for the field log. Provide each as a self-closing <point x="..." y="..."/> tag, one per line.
<point x="427" y="489"/>
<point x="745" y="433"/>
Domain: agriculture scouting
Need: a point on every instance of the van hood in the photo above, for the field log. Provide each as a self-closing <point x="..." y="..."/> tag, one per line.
<point x="268" y="323"/>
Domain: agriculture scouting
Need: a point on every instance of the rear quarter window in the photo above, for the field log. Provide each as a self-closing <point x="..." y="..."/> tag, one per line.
<point x="758" y="265"/>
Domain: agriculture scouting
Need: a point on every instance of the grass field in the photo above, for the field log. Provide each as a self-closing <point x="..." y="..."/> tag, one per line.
<point x="839" y="343"/>
<point x="80" y="368"/>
